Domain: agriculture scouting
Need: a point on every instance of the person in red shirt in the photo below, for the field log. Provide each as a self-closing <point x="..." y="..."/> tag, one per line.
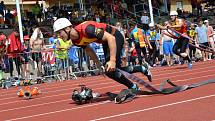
<point x="2" y="45"/>
<point x="111" y="39"/>
<point x="14" y="50"/>
<point x="2" y="53"/>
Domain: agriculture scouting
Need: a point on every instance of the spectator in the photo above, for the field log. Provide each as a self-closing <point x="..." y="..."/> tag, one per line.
<point x="14" y="48"/>
<point x="97" y="18"/>
<point x="167" y="43"/>
<point x="133" y="54"/>
<point x="153" y="38"/>
<point x="74" y="58"/>
<point x="2" y="53"/>
<point x="2" y="8"/>
<point x="53" y="40"/>
<point x="9" y="18"/>
<point x="179" y="12"/>
<point x="26" y="57"/>
<point x="36" y="11"/>
<point x="202" y="38"/>
<point x="140" y="41"/>
<point x="1" y="21"/>
<point x="145" y="21"/>
<point x="191" y="34"/>
<point x="210" y="35"/>
<point x="199" y="8"/>
<point x="62" y="55"/>
<point x="37" y="44"/>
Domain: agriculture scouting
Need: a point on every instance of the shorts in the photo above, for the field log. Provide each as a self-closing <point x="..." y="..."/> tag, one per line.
<point x="26" y="58"/>
<point x="37" y="56"/>
<point x="167" y="47"/>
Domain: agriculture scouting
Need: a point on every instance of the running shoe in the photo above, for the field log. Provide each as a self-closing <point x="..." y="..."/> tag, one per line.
<point x="135" y="88"/>
<point x="190" y="65"/>
<point x="124" y="95"/>
<point x="147" y="73"/>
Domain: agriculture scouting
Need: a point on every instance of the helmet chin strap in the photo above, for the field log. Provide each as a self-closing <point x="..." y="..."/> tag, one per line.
<point x="68" y="33"/>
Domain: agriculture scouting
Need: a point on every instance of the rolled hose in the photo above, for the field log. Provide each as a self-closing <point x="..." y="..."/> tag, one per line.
<point x="27" y="94"/>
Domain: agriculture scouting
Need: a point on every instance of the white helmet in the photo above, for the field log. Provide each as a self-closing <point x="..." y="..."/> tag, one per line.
<point x="206" y="21"/>
<point x="61" y="23"/>
<point x="151" y="25"/>
<point x="173" y="13"/>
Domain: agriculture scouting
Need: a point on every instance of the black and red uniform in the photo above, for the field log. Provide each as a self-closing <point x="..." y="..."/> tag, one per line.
<point x="91" y="31"/>
<point x="181" y="44"/>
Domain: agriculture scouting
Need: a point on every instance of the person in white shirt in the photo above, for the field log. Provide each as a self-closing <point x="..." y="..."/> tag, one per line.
<point x="37" y="44"/>
<point x="210" y="36"/>
<point x="145" y="21"/>
<point x="202" y="38"/>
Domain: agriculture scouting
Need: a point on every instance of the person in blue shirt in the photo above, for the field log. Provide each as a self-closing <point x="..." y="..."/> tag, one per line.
<point x="136" y="35"/>
<point x="53" y="40"/>
<point x="153" y="37"/>
<point x="73" y="57"/>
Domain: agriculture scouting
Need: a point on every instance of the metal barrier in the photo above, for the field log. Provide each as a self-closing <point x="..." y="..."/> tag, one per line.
<point x="50" y="64"/>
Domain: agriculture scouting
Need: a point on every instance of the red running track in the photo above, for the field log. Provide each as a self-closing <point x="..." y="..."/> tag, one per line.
<point x="55" y="103"/>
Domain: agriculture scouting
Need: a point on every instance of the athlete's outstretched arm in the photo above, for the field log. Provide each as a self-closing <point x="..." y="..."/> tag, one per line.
<point x="111" y="64"/>
<point x="161" y="27"/>
<point x="100" y="34"/>
<point x="112" y="45"/>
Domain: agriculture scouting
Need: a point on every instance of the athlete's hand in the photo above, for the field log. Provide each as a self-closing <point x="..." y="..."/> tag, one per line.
<point x="150" y="47"/>
<point x="111" y="66"/>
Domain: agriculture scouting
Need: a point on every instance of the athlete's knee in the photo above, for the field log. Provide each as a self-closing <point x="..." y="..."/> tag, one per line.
<point x="129" y="69"/>
<point x="114" y="74"/>
<point x="118" y="74"/>
<point x="139" y="68"/>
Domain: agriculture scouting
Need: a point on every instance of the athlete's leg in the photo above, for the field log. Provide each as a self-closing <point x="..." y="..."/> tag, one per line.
<point x="115" y="75"/>
<point x="183" y="53"/>
<point x="139" y="68"/>
<point x="176" y="47"/>
<point x="184" y="46"/>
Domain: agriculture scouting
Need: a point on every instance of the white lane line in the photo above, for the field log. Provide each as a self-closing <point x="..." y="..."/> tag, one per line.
<point x="152" y="108"/>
